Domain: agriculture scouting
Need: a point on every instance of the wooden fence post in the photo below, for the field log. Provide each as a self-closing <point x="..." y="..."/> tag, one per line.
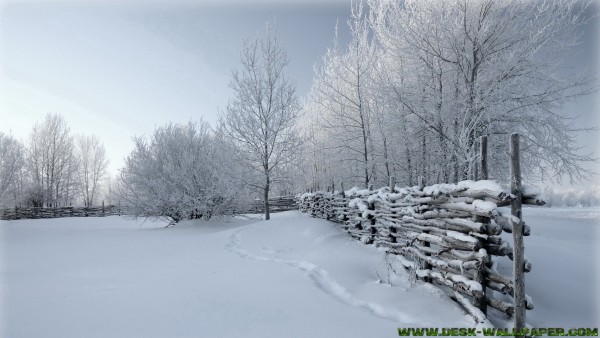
<point x="477" y="147"/>
<point x="426" y="266"/>
<point x="480" y="274"/>
<point x="392" y="183"/>
<point x="517" y="232"/>
<point x="345" y="216"/>
<point x="483" y="157"/>
<point x="484" y="175"/>
<point x="371" y="224"/>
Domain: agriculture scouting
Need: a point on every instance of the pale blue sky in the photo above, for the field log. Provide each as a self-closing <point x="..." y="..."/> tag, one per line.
<point x="118" y="69"/>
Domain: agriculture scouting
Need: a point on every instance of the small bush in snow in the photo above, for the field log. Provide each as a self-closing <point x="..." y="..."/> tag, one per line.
<point x="181" y="171"/>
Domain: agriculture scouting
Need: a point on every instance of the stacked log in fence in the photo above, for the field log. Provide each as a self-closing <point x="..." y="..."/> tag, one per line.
<point x="276" y="204"/>
<point x="445" y="234"/>
<point x="36" y="213"/>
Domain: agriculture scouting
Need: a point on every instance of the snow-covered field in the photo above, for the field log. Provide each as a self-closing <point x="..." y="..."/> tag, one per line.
<point x="564" y="283"/>
<point x="293" y="276"/>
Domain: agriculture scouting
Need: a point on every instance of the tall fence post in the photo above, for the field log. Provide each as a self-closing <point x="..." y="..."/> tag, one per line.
<point x="426" y="266"/>
<point x="517" y="232"/>
<point x="343" y="193"/>
<point x="476" y="164"/>
<point x="370" y="226"/>
<point x="483" y="157"/>
<point x="481" y="274"/>
<point x="418" y="252"/>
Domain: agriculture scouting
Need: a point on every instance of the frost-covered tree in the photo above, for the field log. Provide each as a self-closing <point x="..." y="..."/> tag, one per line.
<point x="92" y="166"/>
<point x="421" y="81"/>
<point x="109" y="190"/>
<point x="51" y="162"/>
<point x="261" y="117"/>
<point x="12" y="162"/>
<point x="463" y="69"/>
<point x="182" y="172"/>
<point x="344" y="97"/>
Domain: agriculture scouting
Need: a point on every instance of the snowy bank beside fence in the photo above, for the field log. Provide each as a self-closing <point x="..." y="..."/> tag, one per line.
<point x="293" y="276"/>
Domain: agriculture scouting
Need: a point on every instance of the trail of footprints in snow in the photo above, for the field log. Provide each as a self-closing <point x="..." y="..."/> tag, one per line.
<point x="327" y="284"/>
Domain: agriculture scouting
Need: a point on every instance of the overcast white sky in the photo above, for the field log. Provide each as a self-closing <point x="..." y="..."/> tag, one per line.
<point x="118" y="69"/>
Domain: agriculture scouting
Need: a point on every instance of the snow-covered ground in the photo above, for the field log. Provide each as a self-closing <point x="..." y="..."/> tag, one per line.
<point x="293" y="276"/>
<point x="564" y="248"/>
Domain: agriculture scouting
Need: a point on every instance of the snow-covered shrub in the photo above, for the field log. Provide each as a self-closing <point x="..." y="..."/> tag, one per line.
<point x="182" y="171"/>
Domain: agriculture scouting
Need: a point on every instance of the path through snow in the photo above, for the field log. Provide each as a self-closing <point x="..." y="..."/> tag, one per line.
<point x="329" y="285"/>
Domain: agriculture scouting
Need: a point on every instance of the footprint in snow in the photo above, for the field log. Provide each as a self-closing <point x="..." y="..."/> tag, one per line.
<point x="326" y="283"/>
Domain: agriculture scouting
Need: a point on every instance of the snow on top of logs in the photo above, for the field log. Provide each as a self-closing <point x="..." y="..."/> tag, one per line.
<point x="528" y="190"/>
<point x="306" y="195"/>
<point x="361" y="205"/>
<point x="484" y="206"/>
<point x="358" y="203"/>
<point x="472" y="285"/>
<point x="461" y="237"/>
<point x="358" y="192"/>
<point x="489" y="194"/>
<point x="490" y="185"/>
<point x="486" y="209"/>
<point x="489" y="189"/>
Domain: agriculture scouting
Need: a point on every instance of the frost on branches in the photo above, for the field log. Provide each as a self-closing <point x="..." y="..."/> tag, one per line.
<point x="12" y="163"/>
<point x="421" y="81"/>
<point x="182" y="172"/>
<point x="261" y="118"/>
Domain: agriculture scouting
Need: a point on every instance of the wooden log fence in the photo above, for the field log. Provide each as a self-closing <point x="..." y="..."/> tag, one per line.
<point x="276" y="204"/>
<point x="37" y="213"/>
<point x="445" y="234"/>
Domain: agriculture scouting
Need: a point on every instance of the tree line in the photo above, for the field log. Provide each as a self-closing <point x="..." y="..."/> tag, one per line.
<point x="195" y="171"/>
<point x="408" y="95"/>
<point x="561" y="197"/>
<point x="420" y="81"/>
<point x="52" y="168"/>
